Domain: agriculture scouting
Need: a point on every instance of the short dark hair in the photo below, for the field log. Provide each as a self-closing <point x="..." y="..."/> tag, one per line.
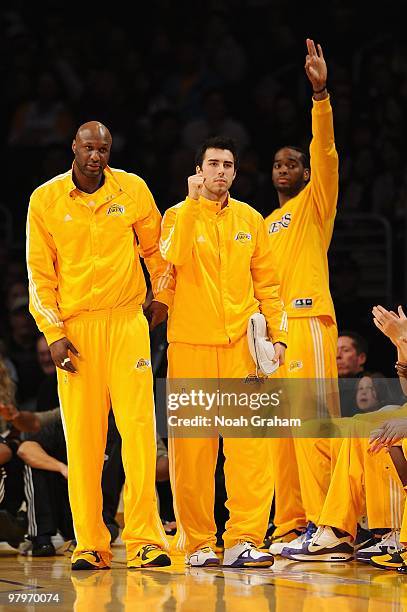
<point x="217" y="142"/>
<point x="358" y="341"/>
<point x="304" y="157"/>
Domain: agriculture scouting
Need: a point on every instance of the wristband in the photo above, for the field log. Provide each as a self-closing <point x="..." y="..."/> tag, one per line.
<point x="401" y="369"/>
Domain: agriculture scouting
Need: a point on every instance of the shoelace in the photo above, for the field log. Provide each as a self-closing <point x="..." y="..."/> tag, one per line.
<point x="311" y="531"/>
<point x="392" y="534"/>
<point x="314" y="536"/>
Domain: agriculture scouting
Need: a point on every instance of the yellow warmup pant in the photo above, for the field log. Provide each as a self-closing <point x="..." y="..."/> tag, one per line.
<point x="403" y="531"/>
<point x="288" y="507"/>
<point x="318" y="456"/>
<point x="247" y="467"/>
<point x="113" y="369"/>
<point x="299" y="490"/>
<point x="316" y="461"/>
<point x="362" y="482"/>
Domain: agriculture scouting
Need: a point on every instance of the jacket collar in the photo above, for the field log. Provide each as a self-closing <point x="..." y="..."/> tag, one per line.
<point x="111" y="184"/>
<point x="214" y="206"/>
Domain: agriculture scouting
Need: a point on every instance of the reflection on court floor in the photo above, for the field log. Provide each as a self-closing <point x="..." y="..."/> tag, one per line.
<point x="287" y="587"/>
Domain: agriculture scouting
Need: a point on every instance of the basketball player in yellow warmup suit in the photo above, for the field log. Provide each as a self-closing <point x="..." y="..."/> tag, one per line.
<point x="224" y="274"/>
<point x="86" y="231"/>
<point x="300" y="232"/>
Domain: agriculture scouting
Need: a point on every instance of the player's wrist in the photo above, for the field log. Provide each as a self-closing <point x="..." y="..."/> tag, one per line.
<point x="401" y="368"/>
<point x="320" y="94"/>
<point x="319" y="90"/>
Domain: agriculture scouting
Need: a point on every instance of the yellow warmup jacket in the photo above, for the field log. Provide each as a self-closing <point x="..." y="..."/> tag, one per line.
<point x="224" y="272"/>
<point x="301" y="230"/>
<point x="83" y="249"/>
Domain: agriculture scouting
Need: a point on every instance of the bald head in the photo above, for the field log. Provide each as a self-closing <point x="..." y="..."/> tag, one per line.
<point x="91" y="148"/>
<point x="94" y="130"/>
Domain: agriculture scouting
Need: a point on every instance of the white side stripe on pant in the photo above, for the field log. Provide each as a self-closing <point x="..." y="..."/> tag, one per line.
<point x="316" y="333"/>
<point x="29" y="495"/>
<point x="181" y="535"/>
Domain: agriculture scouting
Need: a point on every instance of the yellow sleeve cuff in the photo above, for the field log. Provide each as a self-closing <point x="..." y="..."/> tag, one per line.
<point x="54" y="333"/>
<point x="166" y="296"/>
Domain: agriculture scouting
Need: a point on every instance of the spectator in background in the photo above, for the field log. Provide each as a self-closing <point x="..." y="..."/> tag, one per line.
<point x="11" y="469"/>
<point x="186" y="84"/>
<point x="47" y="518"/>
<point x="9" y="364"/>
<point x="46" y="487"/>
<point x="21" y="349"/>
<point x="228" y="55"/>
<point x="215" y="120"/>
<point x="45" y="119"/>
<point x="351" y="357"/>
<point x="15" y="271"/>
<point x="161" y="136"/>
<point x="47" y="393"/>
<point x="373" y="392"/>
<point x="351" y="354"/>
<point x="15" y="291"/>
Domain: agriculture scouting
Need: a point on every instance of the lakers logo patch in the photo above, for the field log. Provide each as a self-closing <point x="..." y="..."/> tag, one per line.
<point x="243" y="237"/>
<point x="115" y="209"/>
<point x="295" y="365"/>
<point x="142" y="365"/>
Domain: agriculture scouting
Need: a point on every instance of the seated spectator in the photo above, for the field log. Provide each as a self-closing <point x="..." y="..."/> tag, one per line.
<point x="46" y="476"/>
<point x="351" y="354"/>
<point x="373" y="393"/>
<point x="12" y="521"/>
<point x="350" y="358"/>
<point x="45" y="451"/>
<point x="12" y="529"/>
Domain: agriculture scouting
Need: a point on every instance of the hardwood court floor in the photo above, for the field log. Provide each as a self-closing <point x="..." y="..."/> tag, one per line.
<point x="287" y="587"/>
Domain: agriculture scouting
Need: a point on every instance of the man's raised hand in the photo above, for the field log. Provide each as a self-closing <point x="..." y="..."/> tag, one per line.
<point x="390" y="324"/>
<point x="315" y="66"/>
<point x="195" y="184"/>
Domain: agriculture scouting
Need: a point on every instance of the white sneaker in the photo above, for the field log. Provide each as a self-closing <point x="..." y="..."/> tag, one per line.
<point x="389" y="543"/>
<point x="204" y="557"/>
<point x="327" y="544"/>
<point x="245" y="554"/>
<point x="276" y="547"/>
<point x="299" y="543"/>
